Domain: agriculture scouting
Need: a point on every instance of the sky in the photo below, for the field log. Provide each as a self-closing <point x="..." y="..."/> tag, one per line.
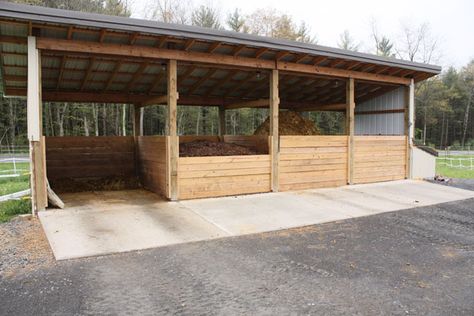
<point x="451" y="22"/>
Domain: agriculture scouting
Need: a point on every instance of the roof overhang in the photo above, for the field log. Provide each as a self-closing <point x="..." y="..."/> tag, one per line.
<point x="63" y="37"/>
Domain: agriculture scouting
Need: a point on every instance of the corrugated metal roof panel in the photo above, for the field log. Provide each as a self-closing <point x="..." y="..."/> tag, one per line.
<point x="14" y="48"/>
<point x="76" y="64"/>
<point x="11" y="60"/>
<point x="14" y="29"/>
<point x="64" y="17"/>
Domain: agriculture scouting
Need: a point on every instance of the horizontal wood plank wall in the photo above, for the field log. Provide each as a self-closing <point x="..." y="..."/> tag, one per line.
<point x="200" y="177"/>
<point x="255" y="142"/>
<point x="90" y="156"/>
<point x="308" y="162"/>
<point x="379" y="158"/>
<point x="151" y="154"/>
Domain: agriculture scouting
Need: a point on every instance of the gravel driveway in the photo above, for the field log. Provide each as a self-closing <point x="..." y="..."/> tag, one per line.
<point x="417" y="261"/>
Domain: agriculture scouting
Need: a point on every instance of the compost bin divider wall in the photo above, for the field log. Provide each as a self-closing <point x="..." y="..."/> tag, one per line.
<point x="89" y="156"/>
<point x="308" y="162"/>
<point x="379" y="158"/>
<point x="152" y="161"/>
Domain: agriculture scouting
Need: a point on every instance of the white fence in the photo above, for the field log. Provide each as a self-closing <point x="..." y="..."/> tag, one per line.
<point x="13" y="161"/>
<point x="461" y="162"/>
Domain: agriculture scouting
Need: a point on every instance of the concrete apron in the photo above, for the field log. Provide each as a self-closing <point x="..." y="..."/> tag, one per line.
<point x="99" y="223"/>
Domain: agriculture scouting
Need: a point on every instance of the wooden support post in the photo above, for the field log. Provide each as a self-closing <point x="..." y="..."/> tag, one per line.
<point x="39" y="194"/>
<point x="222" y="127"/>
<point x="173" y="149"/>
<point x="409" y="126"/>
<point x="137" y="128"/>
<point x="350" y="107"/>
<point x="274" y="136"/>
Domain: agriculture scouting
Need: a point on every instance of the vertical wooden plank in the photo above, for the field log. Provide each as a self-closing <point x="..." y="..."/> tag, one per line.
<point x="39" y="197"/>
<point x="274" y="137"/>
<point x="222" y="127"/>
<point x="137" y="128"/>
<point x="173" y="149"/>
<point x="350" y="107"/>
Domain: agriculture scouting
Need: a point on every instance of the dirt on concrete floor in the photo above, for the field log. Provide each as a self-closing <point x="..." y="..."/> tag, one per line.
<point x="203" y="148"/>
<point x="24" y="247"/>
<point x="71" y="185"/>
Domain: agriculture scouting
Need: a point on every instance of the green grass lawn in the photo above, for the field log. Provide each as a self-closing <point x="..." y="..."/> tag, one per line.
<point x="11" y="208"/>
<point x="13" y="184"/>
<point x="451" y="172"/>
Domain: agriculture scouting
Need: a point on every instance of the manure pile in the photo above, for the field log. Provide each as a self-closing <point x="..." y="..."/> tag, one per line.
<point x="289" y="123"/>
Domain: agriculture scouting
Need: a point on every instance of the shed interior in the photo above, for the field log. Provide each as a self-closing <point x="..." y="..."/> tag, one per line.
<point x="84" y="57"/>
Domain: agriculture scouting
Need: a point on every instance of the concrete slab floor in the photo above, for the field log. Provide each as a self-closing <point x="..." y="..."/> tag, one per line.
<point x="99" y="223"/>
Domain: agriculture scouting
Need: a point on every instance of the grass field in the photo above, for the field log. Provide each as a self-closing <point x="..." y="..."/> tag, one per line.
<point x="455" y="172"/>
<point x="14" y="184"/>
<point x="11" y="208"/>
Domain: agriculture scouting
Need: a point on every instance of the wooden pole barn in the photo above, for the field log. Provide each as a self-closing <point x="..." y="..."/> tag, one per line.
<point x="52" y="55"/>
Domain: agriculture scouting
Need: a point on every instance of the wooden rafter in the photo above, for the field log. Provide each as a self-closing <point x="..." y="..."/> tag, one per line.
<point x="313" y="92"/>
<point x="336" y="62"/>
<point x="213" y="47"/>
<point x="318" y="60"/>
<point x="260" y="52"/>
<point x="239" y="85"/>
<point x="353" y="65"/>
<point x="237" y="50"/>
<point x="256" y="86"/>
<point x="136" y="76"/>
<point x="133" y="37"/>
<point x="88" y="72"/>
<point x="196" y="86"/>
<point x="188" y="44"/>
<point x="280" y="55"/>
<point x="114" y="73"/>
<point x="300" y="58"/>
<point x="221" y="82"/>
<point x="102" y="34"/>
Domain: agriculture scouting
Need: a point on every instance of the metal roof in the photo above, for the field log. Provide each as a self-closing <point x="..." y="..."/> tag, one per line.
<point x="65" y="17"/>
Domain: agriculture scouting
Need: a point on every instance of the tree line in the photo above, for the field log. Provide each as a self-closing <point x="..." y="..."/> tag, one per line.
<point x="443" y="104"/>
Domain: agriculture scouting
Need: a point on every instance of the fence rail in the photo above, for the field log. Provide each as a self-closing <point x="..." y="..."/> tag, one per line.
<point x="13" y="161"/>
<point x="465" y="163"/>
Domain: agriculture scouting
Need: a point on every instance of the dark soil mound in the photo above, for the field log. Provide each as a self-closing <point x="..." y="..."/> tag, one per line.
<point x="207" y="148"/>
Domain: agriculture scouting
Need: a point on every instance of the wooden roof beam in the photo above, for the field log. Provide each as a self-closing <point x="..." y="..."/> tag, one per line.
<point x="154" y="53"/>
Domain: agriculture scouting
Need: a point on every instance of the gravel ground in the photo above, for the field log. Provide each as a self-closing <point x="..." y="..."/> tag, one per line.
<point x="467" y="184"/>
<point x="418" y="261"/>
<point x="24" y="247"/>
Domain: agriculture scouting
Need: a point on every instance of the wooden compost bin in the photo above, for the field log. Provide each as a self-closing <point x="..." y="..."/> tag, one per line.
<point x="213" y="176"/>
<point x="89" y="156"/>
<point x="308" y="162"/>
<point x="152" y="163"/>
<point x="379" y="158"/>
